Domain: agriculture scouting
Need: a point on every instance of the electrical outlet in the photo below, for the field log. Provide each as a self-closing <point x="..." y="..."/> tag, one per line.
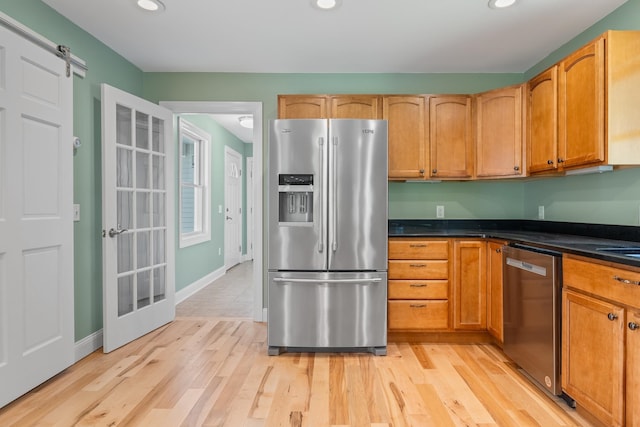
<point x="219" y="209"/>
<point x="76" y="212"/>
<point x="439" y="211"/>
<point x="540" y="212"/>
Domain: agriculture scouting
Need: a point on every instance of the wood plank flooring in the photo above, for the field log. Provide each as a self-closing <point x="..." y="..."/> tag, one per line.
<point x="203" y="371"/>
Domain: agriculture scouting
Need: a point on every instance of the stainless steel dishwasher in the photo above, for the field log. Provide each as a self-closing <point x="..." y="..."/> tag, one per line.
<point x="532" y="312"/>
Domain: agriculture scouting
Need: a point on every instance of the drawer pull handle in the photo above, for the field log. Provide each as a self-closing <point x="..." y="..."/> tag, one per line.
<point x="612" y="316"/>
<point x="634" y="326"/>
<point x="418" y="285"/>
<point x="418" y="305"/>
<point x="626" y="281"/>
<point x="418" y="245"/>
<point x="417" y="265"/>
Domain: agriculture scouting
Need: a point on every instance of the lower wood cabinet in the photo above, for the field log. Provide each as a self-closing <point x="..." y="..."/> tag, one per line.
<point x="418" y="284"/>
<point x="469" y="285"/>
<point x="601" y="339"/>
<point x="494" y="289"/>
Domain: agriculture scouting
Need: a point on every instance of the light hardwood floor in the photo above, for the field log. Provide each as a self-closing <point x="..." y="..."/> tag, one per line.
<point x="215" y="371"/>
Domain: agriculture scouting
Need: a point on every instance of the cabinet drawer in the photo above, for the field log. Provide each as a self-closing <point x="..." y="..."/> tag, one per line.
<point x="418" y="269"/>
<point x="418" y="289"/>
<point x="418" y="314"/>
<point x="615" y="284"/>
<point x="418" y="249"/>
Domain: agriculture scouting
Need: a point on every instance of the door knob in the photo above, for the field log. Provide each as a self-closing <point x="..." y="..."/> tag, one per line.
<point x="228" y="217"/>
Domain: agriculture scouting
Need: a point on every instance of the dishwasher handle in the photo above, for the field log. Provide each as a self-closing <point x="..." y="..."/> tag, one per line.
<point x="531" y="268"/>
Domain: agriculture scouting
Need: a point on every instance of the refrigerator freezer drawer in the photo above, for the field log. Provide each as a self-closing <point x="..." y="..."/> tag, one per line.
<point x="327" y="310"/>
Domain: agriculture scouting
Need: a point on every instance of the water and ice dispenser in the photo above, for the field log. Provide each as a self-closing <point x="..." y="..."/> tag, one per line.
<point x="295" y="199"/>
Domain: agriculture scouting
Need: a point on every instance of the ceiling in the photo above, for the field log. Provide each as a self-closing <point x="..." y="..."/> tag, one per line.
<point x="361" y="36"/>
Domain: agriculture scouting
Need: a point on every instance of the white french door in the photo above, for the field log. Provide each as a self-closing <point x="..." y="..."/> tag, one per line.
<point x="36" y="216"/>
<point x="233" y="207"/>
<point x="137" y="212"/>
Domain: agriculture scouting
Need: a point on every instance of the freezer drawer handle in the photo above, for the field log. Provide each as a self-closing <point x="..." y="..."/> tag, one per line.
<point x="532" y="268"/>
<point x="626" y="281"/>
<point x="372" y="280"/>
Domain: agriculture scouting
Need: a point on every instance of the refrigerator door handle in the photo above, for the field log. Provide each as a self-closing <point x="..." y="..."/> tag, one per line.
<point x="320" y="178"/>
<point x="334" y="220"/>
<point x="372" y="280"/>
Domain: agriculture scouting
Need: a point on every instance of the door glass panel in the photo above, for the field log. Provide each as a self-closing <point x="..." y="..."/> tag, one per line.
<point x="142" y="130"/>
<point x="142" y="209"/>
<point x="125" y="295"/>
<point x="144" y="248"/>
<point x="158" y="172"/>
<point x="125" y="209"/>
<point x="123" y="125"/>
<point x="124" y="168"/>
<point x="125" y="252"/>
<point x="159" y="284"/>
<point x="158" y="247"/>
<point x="144" y="288"/>
<point x="142" y="170"/>
<point x="158" y="210"/>
<point x="158" y="135"/>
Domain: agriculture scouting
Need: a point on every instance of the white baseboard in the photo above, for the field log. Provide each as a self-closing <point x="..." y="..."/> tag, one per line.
<point x="199" y="284"/>
<point x="88" y="345"/>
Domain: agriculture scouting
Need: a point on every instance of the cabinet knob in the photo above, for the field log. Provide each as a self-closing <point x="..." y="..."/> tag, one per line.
<point x="516" y="168"/>
<point x="422" y="172"/>
<point x="612" y="316"/>
<point x="560" y="160"/>
<point x="498" y="250"/>
<point x="434" y="171"/>
<point x="549" y="162"/>
<point x="634" y="326"/>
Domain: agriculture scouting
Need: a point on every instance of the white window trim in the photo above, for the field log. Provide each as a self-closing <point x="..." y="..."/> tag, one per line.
<point x="194" y="238"/>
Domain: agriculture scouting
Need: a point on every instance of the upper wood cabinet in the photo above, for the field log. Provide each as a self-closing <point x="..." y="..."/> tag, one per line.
<point x="590" y="99"/>
<point x="499" y="122"/>
<point x="303" y="107"/>
<point x="407" y="143"/>
<point x="329" y="106"/>
<point x="542" y="121"/>
<point x="450" y="136"/>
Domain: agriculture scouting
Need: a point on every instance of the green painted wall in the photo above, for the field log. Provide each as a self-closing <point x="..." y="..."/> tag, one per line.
<point x="197" y="261"/>
<point x="105" y="66"/>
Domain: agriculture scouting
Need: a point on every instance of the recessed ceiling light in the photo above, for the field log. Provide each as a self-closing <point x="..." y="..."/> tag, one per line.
<point x="326" y="4"/>
<point x="151" y="5"/>
<point x="501" y="4"/>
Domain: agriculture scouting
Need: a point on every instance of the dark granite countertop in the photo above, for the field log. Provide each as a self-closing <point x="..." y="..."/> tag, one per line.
<point x="565" y="237"/>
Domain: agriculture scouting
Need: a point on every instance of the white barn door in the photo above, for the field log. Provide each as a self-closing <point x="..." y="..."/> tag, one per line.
<point x="137" y="214"/>
<point x="36" y="220"/>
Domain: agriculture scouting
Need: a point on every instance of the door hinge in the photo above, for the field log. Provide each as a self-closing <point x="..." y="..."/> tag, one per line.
<point x="64" y="52"/>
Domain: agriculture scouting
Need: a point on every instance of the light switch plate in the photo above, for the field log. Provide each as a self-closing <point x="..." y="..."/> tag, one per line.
<point x="439" y="211"/>
<point x="540" y="212"/>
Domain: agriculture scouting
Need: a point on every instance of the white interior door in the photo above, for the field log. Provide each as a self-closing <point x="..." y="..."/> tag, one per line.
<point x="137" y="211"/>
<point x="233" y="207"/>
<point x="36" y="220"/>
<point x="249" y="199"/>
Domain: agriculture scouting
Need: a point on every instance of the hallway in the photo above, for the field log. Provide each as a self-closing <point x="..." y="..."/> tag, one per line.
<point x="230" y="296"/>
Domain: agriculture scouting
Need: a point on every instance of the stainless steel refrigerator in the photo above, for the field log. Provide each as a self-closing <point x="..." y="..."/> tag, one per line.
<point x="327" y="235"/>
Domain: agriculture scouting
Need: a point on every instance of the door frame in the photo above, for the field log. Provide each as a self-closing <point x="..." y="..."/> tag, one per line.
<point x="249" y="210"/>
<point x="237" y="228"/>
<point x="255" y="109"/>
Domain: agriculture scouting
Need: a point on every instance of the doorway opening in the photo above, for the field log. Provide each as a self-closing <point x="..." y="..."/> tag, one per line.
<point x="253" y="109"/>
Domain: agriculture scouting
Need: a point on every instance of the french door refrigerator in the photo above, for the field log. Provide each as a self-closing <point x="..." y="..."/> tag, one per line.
<point x="327" y="235"/>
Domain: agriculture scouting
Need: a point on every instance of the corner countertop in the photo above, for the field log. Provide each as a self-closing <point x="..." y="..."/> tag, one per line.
<point x="575" y="238"/>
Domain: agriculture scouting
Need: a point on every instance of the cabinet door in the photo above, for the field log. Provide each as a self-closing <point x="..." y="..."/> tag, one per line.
<point x="542" y="122"/>
<point x="494" y="289"/>
<point x="450" y="137"/>
<point x="581" y="106"/>
<point x="407" y="143"/>
<point x="499" y="132"/>
<point x="633" y="367"/>
<point x="593" y="356"/>
<point x="302" y="107"/>
<point x="469" y="285"/>
<point x="355" y="107"/>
